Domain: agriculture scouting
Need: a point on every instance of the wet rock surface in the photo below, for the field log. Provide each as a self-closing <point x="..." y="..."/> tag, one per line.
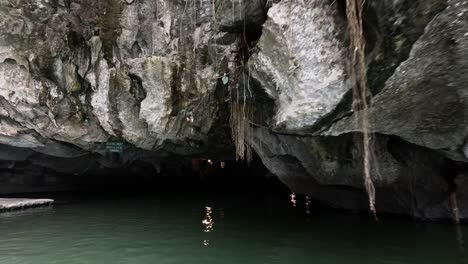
<point x="75" y="75"/>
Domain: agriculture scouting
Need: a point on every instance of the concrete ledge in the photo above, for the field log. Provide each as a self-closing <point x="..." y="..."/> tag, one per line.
<point x="10" y="204"/>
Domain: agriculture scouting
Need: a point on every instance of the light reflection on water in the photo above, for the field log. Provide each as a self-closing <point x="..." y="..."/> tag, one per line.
<point x="460" y="240"/>
<point x="251" y="229"/>
<point x="307" y="205"/>
<point x="207" y="224"/>
<point x="208" y="220"/>
<point x="293" y="199"/>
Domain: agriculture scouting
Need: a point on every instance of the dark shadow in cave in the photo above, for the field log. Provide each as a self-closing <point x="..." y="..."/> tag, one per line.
<point x="198" y="174"/>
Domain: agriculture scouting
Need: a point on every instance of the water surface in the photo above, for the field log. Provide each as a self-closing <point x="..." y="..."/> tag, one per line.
<point x="237" y="229"/>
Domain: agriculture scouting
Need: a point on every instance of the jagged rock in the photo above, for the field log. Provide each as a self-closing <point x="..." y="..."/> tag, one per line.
<point x="393" y="27"/>
<point x="74" y="75"/>
<point x="301" y="61"/>
<point x="241" y="15"/>
<point x="424" y="101"/>
<point x="110" y="69"/>
<point x="330" y="169"/>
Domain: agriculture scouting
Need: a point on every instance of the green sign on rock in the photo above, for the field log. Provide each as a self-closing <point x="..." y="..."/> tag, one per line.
<point x="113" y="146"/>
<point x="225" y="79"/>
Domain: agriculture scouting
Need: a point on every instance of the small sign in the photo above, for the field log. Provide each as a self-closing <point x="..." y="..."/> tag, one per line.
<point x="225" y="79"/>
<point x="114" y="146"/>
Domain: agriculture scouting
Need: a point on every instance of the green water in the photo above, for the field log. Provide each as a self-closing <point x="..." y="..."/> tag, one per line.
<point x="237" y="229"/>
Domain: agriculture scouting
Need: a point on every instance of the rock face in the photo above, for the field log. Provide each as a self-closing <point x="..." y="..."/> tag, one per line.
<point x="300" y="61"/>
<point x="77" y="74"/>
<point x="428" y="89"/>
<point x="418" y="111"/>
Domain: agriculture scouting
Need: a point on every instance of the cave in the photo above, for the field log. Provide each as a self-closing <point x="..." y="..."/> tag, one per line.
<point x="258" y="131"/>
<point x="35" y="173"/>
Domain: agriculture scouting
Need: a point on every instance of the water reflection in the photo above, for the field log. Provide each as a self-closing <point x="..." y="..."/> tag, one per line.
<point x="208" y="220"/>
<point x="460" y="241"/>
<point x="293" y="199"/>
<point x="43" y="210"/>
<point x="221" y="213"/>
<point x="207" y="224"/>
<point x="307" y="205"/>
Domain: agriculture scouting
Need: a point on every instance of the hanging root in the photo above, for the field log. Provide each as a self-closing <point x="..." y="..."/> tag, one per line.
<point x="354" y="13"/>
<point x="242" y="110"/>
<point x="240" y="129"/>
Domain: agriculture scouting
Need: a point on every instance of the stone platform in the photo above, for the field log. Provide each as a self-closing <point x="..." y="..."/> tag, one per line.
<point x="10" y="204"/>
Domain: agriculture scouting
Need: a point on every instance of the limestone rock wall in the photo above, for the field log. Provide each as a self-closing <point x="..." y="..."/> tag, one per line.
<point x="74" y="74"/>
<point x="417" y="73"/>
<point x="300" y="61"/>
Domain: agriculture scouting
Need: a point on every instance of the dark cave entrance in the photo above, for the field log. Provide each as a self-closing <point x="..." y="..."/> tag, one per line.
<point x="191" y="174"/>
<point x="186" y="174"/>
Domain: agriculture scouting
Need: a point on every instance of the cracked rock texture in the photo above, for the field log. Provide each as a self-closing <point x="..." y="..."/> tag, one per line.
<point x="300" y="61"/>
<point x="77" y="74"/>
<point x="417" y="63"/>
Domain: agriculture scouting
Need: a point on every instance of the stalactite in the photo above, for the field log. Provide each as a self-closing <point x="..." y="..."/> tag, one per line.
<point x="354" y="13"/>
